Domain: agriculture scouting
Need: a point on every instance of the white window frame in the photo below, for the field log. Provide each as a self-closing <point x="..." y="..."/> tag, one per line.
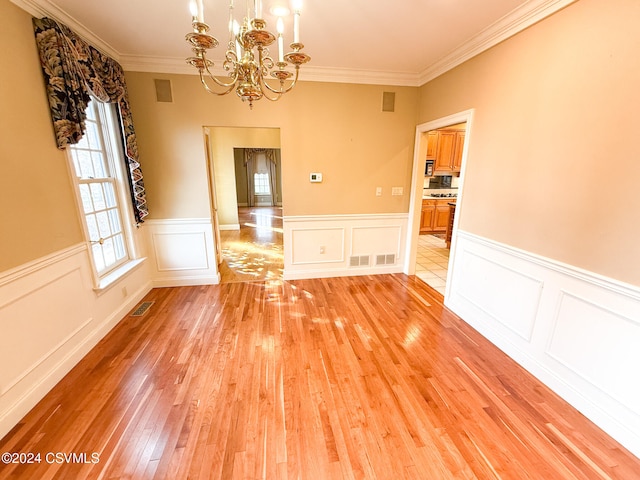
<point x="261" y="179"/>
<point x="111" y="138"/>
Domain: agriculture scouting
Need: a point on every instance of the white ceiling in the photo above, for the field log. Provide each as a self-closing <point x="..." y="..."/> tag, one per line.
<point x="376" y="41"/>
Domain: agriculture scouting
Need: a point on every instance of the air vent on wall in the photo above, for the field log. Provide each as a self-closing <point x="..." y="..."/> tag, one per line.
<point x="359" y="260"/>
<point x="388" y="259"/>
<point x="163" y="90"/>
<point x="388" y="101"/>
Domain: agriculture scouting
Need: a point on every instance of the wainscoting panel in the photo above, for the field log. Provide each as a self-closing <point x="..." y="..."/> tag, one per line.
<point x="317" y="245"/>
<point x="384" y="239"/>
<point x="43" y="337"/>
<point x="50" y="317"/>
<point x="577" y="331"/>
<point x="182" y="252"/>
<point x="342" y="245"/>
<point x="514" y="305"/>
<point x="585" y="333"/>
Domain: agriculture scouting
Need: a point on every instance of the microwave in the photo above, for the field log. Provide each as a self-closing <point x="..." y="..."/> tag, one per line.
<point x="428" y="168"/>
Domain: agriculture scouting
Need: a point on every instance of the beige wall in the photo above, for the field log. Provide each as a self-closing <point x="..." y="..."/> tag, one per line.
<point x="223" y="140"/>
<point x="38" y="213"/>
<point x="336" y="129"/>
<point x="554" y="160"/>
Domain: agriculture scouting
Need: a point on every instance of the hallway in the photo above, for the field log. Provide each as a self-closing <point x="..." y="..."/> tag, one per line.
<point x="253" y="253"/>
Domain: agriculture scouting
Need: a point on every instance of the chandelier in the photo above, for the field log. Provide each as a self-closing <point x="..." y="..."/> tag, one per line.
<point x="247" y="61"/>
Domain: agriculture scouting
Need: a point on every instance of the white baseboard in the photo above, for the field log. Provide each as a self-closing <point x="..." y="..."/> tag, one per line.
<point x="51" y="317"/>
<point x="230" y="226"/>
<point x="321" y="246"/>
<point x="186" y="281"/>
<point x="575" y="330"/>
<point x="340" y="272"/>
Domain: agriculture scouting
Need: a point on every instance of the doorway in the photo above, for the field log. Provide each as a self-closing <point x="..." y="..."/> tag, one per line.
<point x="431" y="235"/>
<point x="253" y="252"/>
<point x="246" y="186"/>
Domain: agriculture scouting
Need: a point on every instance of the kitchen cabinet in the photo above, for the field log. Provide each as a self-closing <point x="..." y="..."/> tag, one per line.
<point x="457" y="152"/>
<point x="434" y="217"/>
<point x="452" y="214"/>
<point x="441" y="216"/>
<point x="449" y="151"/>
<point x="432" y="144"/>
<point x="426" y="216"/>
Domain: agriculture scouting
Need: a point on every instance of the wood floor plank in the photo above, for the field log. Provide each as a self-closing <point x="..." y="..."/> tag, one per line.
<point x="354" y="378"/>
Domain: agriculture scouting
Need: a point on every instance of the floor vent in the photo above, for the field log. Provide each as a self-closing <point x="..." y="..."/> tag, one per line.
<point x="359" y="260"/>
<point x="141" y="310"/>
<point x="388" y="259"/>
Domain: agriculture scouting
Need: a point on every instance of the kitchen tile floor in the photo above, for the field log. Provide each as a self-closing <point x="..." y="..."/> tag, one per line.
<point x="432" y="261"/>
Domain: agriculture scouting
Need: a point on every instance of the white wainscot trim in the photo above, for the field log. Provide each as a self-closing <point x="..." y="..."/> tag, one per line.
<point x="575" y="330"/>
<point x="320" y="246"/>
<point x="50" y="317"/>
<point x="181" y="252"/>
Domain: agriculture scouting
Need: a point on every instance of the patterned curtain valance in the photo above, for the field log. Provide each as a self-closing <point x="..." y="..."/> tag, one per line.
<point x="250" y="154"/>
<point x="74" y="70"/>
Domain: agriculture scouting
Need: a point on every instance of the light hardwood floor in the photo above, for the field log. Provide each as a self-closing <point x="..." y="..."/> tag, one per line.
<point x="358" y="378"/>
<point x="254" y="252"/>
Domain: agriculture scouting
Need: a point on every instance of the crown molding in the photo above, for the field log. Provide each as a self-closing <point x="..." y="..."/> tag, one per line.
<point x="514" y="22"/>
<point x="308" y="73"/>
<point x="312" y="73"/>
<point x="44" y="8"/>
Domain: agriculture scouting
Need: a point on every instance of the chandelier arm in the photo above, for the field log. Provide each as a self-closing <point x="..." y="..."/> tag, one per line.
<point x="229" y="85"/>
<point x="261" y="77"/>
<point x="274" y="99"/>
<point x="282" y="91"/>
<point x="203" y="80"/>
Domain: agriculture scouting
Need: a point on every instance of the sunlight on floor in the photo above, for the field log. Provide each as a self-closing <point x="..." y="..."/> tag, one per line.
<point x="267" y="227"/>
<point x="255" y="251"/>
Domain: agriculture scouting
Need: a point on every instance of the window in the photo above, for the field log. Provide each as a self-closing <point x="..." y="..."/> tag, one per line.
<point x="261" y="184"/>
<point x="96" y="168"/>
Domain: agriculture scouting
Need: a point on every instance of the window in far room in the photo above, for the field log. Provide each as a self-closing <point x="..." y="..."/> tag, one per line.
<point x="261" y="184"/>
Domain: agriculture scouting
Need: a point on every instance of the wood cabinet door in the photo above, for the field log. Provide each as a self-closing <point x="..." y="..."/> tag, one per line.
<point x="426" y="216"/>
<point x="432" y="144"/>
<point x="441" y="218"/>
<point x="457" y="154"/>
<point x="445" y="150"/>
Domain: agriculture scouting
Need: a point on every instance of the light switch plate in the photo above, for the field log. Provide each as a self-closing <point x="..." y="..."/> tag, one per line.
<point x="315" y="177"/>
<point x="397" y="190"/>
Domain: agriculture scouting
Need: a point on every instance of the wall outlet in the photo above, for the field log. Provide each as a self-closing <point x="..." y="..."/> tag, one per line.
<point x="322" y="249"/>
<point x="124" y="292"/>
<point x="378" y="191"/>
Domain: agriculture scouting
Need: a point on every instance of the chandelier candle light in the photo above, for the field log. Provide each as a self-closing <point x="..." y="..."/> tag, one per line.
<point x="247" y="60"/>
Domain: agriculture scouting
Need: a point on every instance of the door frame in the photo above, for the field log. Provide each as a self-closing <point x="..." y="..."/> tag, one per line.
<point x="213" y="199"/>
<point x="417" y="182"/>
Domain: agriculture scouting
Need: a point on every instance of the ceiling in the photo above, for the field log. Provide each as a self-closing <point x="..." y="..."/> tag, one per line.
<point x="392" y="42"/>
